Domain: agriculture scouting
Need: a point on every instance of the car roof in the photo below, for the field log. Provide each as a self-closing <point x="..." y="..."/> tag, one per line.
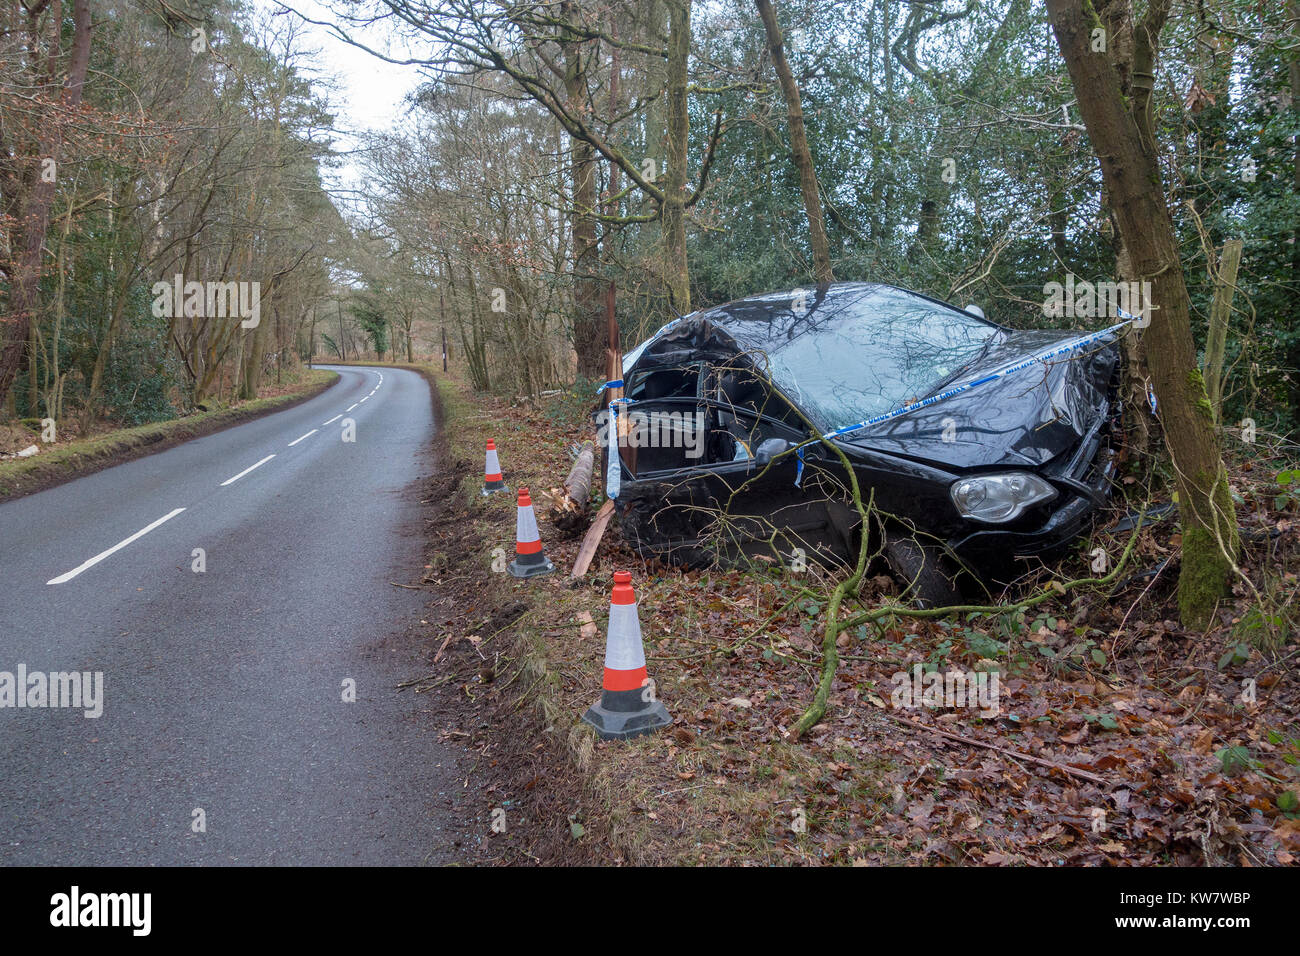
<point x="768" y="322"/>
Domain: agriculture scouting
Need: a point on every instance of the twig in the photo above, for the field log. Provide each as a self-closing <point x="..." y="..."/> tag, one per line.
<point x="1082" y="774"/>
<point x="445" y="642"/>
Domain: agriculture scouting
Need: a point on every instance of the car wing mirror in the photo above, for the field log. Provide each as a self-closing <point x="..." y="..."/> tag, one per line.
<point x="769" y="448"/>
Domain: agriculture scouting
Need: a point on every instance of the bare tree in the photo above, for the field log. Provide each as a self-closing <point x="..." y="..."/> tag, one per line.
<point x="812" y="203"/>
<point x="31" y="151"/>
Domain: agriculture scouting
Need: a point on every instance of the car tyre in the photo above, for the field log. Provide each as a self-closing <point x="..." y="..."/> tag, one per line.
<point x="922" y="571"/>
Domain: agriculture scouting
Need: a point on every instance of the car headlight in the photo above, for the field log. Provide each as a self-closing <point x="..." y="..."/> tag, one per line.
<point x="998" y="498"/>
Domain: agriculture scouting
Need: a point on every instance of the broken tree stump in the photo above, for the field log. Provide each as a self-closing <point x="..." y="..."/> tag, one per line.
<point x="570" y="505"/>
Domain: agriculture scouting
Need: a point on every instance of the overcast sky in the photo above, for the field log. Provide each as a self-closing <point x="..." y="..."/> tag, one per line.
<point x="369" y="90"/>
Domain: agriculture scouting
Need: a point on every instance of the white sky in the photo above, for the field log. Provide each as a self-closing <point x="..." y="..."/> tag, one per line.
<point x="369" y="91"/>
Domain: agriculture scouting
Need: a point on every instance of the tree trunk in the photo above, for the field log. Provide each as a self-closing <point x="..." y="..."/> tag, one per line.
<point x="253" y="359"/>
<point x="587" y="325"/>
<point x="812" y="203"/>
<point x="1225" y="284"/>
<point x="676" y="272"/>
<point x="1293" y="353"/>
<point x="343" y="349"/>
<point x="1132" y="177"/>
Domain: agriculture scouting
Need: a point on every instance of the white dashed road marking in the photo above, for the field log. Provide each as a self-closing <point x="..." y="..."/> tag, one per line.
<point x="62" y="578"/>
<point x="231" y="481"/>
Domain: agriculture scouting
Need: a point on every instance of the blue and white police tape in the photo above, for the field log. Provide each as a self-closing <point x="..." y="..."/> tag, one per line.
<point x="966" y="387"/>
<point x="613" y="472"/>
<point x="612" y="477"/>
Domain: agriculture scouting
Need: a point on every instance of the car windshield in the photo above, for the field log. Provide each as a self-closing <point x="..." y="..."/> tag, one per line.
<point x="854" y="357"/>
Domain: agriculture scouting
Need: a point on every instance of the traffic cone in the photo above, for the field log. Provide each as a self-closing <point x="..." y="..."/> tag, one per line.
<point x="627" y="706"/>
<point x="492" y="471"/>
<point x="530" y="560"/>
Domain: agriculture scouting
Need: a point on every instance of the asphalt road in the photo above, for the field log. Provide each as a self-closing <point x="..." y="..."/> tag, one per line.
<point x="223" y="691"/>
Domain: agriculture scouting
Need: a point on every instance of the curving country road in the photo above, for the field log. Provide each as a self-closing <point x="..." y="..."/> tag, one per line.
<point x="223" y="690"/>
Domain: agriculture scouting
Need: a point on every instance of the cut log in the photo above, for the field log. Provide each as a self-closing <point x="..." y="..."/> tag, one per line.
<point x="578" y="485"/>
<point x="592" y="541"/>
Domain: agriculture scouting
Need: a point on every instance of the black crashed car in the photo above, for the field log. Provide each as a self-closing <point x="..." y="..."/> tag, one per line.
<point x="720" y="401"/>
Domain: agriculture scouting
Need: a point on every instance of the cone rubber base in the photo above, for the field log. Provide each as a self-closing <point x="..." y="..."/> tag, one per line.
<point x="620" y="725"/>
<point x="493" y="488"/>
<point x="530" y="570"/>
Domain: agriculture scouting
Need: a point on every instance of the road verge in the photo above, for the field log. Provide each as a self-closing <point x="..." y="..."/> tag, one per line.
<point x="1114" y="737"/>
<point x="64" y="462"/>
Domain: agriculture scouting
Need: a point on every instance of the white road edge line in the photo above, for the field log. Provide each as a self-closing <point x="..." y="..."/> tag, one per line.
<point x="63" y="578"/>
<point x="308" y="435"/>
<point x="231" y="481"/>
<point x="331" y="421"/>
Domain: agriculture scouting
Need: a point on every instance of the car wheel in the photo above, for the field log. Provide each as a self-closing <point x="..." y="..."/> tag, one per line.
<point x="922" y="572"/>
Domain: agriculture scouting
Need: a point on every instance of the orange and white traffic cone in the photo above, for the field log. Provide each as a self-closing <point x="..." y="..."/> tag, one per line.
<point x="492" y="471"/>
<point x="530" y="560"/>
<point x="628" y="705"/>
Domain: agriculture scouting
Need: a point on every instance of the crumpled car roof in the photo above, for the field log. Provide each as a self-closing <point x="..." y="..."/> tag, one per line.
<point x="842" y="352"/>
<point x="863" y="349"/>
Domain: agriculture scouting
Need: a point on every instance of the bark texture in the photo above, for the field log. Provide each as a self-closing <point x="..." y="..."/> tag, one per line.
<point x="812" y="203"/>
<point x="1121" y="132"/>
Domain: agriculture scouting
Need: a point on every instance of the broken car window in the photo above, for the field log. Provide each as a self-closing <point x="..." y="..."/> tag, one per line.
<point x="680" y="382"/>
<point x="859" y="356"/>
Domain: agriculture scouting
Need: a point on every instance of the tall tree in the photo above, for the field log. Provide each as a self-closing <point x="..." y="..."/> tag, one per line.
<point x="587" y="330"/>
<point x="521" y="41"/>
<point x="1121" y="130"/>
<point x="812" y="203"/>
<point x="29" y="162"/>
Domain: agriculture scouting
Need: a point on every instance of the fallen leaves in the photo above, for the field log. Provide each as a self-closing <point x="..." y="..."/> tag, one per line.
<point x="1106" y="750"/>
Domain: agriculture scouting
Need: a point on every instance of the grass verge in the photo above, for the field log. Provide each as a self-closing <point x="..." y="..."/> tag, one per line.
<point x="64" y="462"/>
<point x="1120" y="738"/>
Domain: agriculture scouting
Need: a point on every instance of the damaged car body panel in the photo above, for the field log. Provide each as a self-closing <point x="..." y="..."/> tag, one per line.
<point x="1013" y="465"/>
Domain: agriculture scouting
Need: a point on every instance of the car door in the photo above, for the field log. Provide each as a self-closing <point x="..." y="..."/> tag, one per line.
<point x="765" y="512"/>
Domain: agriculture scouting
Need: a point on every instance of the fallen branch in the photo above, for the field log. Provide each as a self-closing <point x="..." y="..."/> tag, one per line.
<point x="1064" y="768"/>
<point x="830" y="653"/>
<point x="592" y="541"/>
